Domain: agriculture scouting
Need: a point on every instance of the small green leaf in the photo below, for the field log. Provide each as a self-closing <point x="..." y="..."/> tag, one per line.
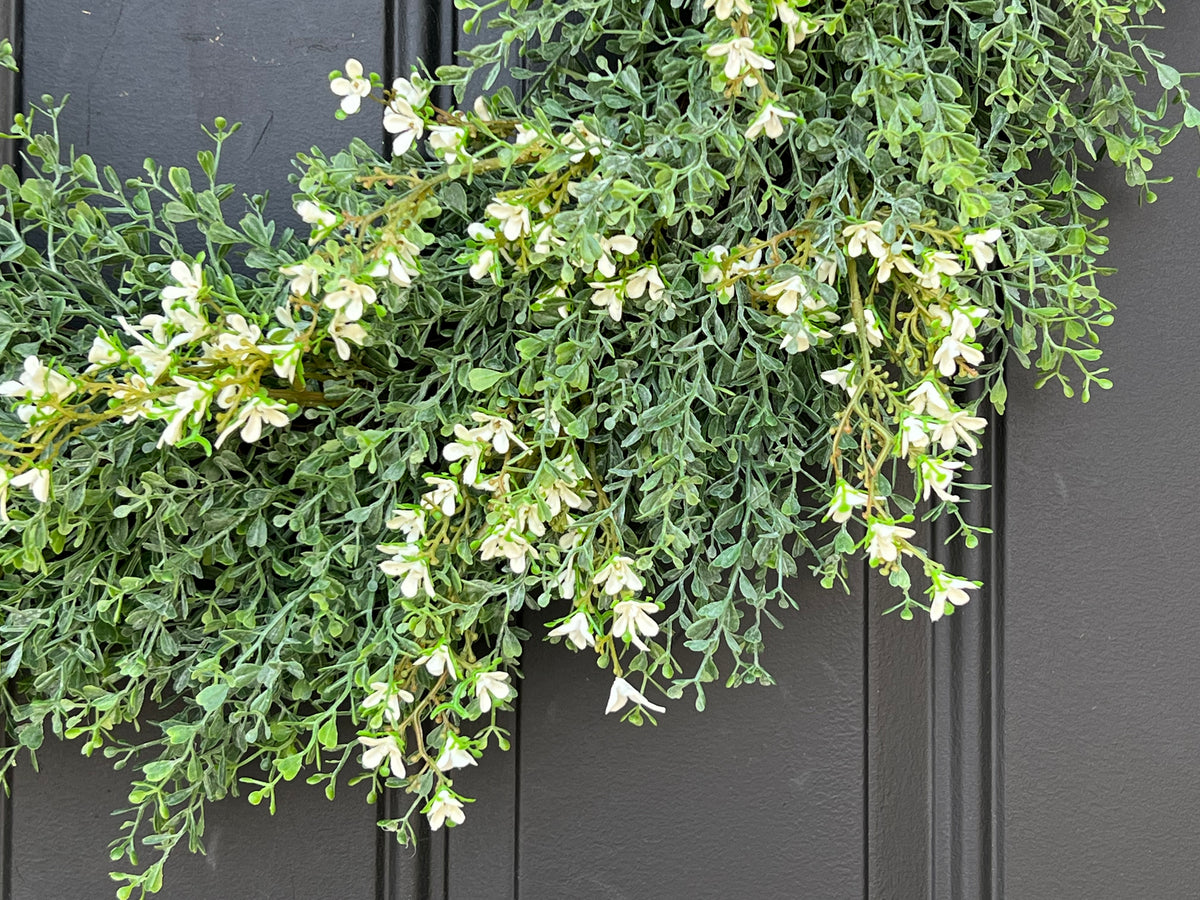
<point x="289" y="766"/>
<point x="213" y="696"/>
<point x="483" y="379"/>
<point x="328" y="735"/>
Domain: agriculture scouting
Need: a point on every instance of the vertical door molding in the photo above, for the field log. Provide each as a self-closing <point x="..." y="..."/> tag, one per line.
<point x="479" y="859"/>
<point x="934" y="721"/>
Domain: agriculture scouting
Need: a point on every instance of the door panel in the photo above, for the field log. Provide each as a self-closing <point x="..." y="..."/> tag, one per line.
<point x="764" y="789"/>
<point x="1101" y="674"/>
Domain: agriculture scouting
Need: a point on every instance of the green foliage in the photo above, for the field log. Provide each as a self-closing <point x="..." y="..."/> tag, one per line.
<point x="617" y="350"/>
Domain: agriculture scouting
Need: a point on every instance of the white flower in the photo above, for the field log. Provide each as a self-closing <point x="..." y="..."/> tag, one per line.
<point x="410" y="522"/>
<point x="631" y="618"/>
<point x="391" y="698"/>
<point x="953" y="590"/>
<point x="312" y="214"/>
<point x="798" y="29"/>
<point x="352" y="88"/>
<point x="647" y="281"/>
<point x="713" y="272"/>
<point x="979" y="244"/>
<point x="935" y="266"/>
<point x="544" y="239"/>
<point x="937" y="476"/>
<point x="525" y="135"/>
<point x="567" y="581"/>
<point x="191" y="281"/>
<point x="285" y="358"/>
<point x="874" y="332"/>
<point x="897" y="261"/>
<point x="865" y="235"/>
<point x="576" y="629"/>
<point x="769" y="120"/>
<point x="583" y="142"/>
<point x="238" y="337"/>
<point x="444" y="495"/>
<point x="883" y="542"/>
<point x="482" y="267"/>
<point x="398" y="268"/>
<point x="608" y="295"/>
<point x="513" y="219"/>
<point x="913" y="434"/>
<point x="152" y="361"/>
<point x="950" y="351"/>
<point x="408" y="564"/>
<point x="412" y="92"/>
<point x="401" y="119"/>
<point x="827" y="270"/>
<point x="840" y="376"/>
<point x="37" y="479"/>
<point x="182" y="304"/>
<point x="799" y="335"/>
<point x="787" y="294"/>
<point x="447" y="141"/>
<point x="454" y="755"/>
<point x="958" y="427"/>
<point x="351" y="297"/>
<point x="190" y="403"/>
<point x="479" y="232"/>
<point x="560" y="496"/>
<point x="845" y="500"/>
<point x="489" y="685"/>
<point x="106" y="351"/>
<point x="345" y="333"/>
<point x="528" y="517"/>
<point x="624" y="244"/>
<point x="929" y="398"/>
<point x="445" y="806"/>
<point x="253" y="415"/>
<point x="134" y="391"/>
<point x="437" y="662"/>
<point x="39" y="382"/>
<point x="379" y="749"/>
<point x="481" y="109"/>
<point x="622" y="692"/>
<point x="497" y="431"/>
<point x="724" y="8"/>
<point x="965" y="319"/>
<point x="739" y="53"/>
<point x="505" y="541"/>
<point x="618" y="575"/>
<point x="305" y="279"/>
<point x="468" y="447"/>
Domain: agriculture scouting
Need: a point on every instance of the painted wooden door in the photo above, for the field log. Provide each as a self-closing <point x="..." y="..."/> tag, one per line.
<point x="1041" y="745"/>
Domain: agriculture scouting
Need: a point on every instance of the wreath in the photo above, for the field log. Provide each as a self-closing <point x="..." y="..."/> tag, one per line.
<point x="719" y="300"/>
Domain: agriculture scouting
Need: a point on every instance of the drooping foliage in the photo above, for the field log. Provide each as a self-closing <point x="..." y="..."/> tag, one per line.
<point x="714" y="304"/>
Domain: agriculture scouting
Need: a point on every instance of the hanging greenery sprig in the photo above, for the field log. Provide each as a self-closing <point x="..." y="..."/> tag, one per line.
<point x="718" y="300"/>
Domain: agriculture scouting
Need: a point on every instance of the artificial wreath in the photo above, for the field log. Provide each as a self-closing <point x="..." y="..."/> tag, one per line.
<point x="716" y="300"/>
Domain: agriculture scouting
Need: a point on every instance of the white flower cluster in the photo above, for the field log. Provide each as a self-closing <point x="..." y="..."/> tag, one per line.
<point x="193" y="362"/>
<point x="513" y="236"/>
<point x="184" y="340"/>
<point x="743" y="55"/>
<point x="385" y="747"/>
<point x="930" y="429"/>
<point x="515" y="509"/>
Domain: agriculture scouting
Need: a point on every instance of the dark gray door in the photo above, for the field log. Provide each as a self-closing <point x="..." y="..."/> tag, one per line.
<point x="884" y="764"/>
